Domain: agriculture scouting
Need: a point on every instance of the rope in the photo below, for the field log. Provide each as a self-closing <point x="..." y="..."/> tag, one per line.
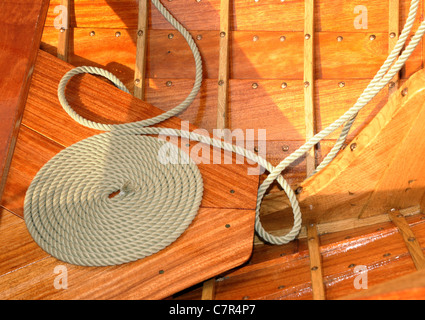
<point x="68" y="214"/>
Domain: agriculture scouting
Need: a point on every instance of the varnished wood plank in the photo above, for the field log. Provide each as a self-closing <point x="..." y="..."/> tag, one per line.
<point x="155" y="277"/>
<point x="223" y="66"/>
<point x="140" y="69"/>
<point x="208" y="289"/>
<point x="64" y="31"/>
<point x="19" y="40"/>
<point x="169" y="56"/>
<point x="393" y="33"/>
<point x="309" y="82"/>
<point x="315" y="263"/>
<point x="337" y="18"/>
<point x="409" y="238"/>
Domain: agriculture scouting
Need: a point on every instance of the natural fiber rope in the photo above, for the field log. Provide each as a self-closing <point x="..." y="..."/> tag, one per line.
<point x="58" y="232"/>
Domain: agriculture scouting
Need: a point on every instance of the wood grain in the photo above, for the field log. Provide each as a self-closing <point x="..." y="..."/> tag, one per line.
<point x="19" y="40"/>
<point x="309" y="82"/>
<point x="46" y="129"/>
<point x="223" y="66"/>
<point x="315" y="263"/>
<point x="64" y="31"/>
<point x="140" y="68"/>
<point x="409" y="238"/>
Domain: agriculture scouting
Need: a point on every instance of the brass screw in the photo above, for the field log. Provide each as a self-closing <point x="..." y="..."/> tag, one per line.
<point x="306" y="84"/>
<point x="62" y="29"/>
<point x="168" y="83"/>
<point x="254" y="85"/>
<point x="391" y="84"/>
<point x="117" y="34"/>
<point x="140" y="33"/>
<point x="220" y="83"/>
<point x="341" y="84"/>
<point x="284" y="85"/>
<point x="255" y="38"/>
<point x="352" y="265"/>
<point x="92" y="33"/>
<point x="339" y="38"/>
<point x="170" y="36"/>
<point x="232" y="191"/>
<point x="136" y="81"/>
<point x="372" y="37"/>
<point x="353" y="146"/>
<point x="392" y="35"/>
<point x="307" y="36"/>
<point x="314" y="268"/>
<point x="255" y="149"/>
<point x="299" y="190"/>
<point x="404" y="92"/>
<point x="199" y="37"/>
<point x="285" y="148"/>
<point x="222" y="34"/>
<point x="282" y="38"/>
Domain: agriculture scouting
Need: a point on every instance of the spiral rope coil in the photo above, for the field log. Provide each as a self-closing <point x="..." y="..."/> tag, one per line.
<point x="70" y="215"/>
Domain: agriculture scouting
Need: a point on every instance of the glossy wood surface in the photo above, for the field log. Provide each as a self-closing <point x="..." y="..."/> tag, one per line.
<point x="220" y="237"/>
<point x="22" y="25"/>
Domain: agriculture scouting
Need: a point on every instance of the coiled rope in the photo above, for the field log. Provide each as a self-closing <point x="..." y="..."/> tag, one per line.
<point x="70" y="215"/>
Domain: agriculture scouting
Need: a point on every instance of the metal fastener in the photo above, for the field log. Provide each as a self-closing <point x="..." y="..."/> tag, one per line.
<point x="92" y="33"/>
<point x="199" y="37"/>
<point x="404" y="92"/>
<point x="391" y="84"/>
<point x="314" y="268"/>
<point x="222" y="34"/>
<point x="140" y="33"/>
<point x="170" y="36"/>
<point x="161" y="271"/>
<point x="255" y="38"/>
<point x="117" y="34"/>
<point x="62" y="29"/>
<point x="220" y="82"/>
<point x="307" y="36"/>
<point x="341" y="84"/>
<point x="411" y="239"/>
<point x="352" y="265"/>
<point x="339" y="38"/>
<point x="254" y="85"/>
<point x="227" y="225"/>
<point x="232" y="191"/>
<point x="392" y="35"/>
<point x="353" y="146"/>
<point x="284" y="85"/>
<point x="299" y="190"/>
<point x="372" y="37"/>
<point x="255" y="149"/>
<point x="168" y="83"/>
<point x="306" y="84"/>
<point x="136" y="81"/>
<point x="282" y="38"/>
<point x="285" y="148"/>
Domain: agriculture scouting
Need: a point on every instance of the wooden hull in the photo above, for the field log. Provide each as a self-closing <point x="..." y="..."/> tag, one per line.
<point x="373" y="225"/>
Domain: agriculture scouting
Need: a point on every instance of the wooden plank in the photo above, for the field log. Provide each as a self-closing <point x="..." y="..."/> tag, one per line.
<point x="155" y="277"/>
<point x="208" y="289"/>
<point x="245" y="16"/>
<point x="64" y="31"/>
<point x="309" y="82"/>
<point x="140" y="68"/>
<point x="342" y="190"/>
<point x="43" y="135"/>
<point x="19" y="40"/>
<point x="409" y="238"/>
<point x="393" y="33"/>
<point x="315" y="263"/>
<point x="355" y="57"/>
<point x="223" y="66"/>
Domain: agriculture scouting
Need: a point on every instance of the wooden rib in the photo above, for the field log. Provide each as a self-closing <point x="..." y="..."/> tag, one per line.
<point x="63" y="40"/>
<point x="140" y="68"/>
<point x="315" y="263"/>
<point x="409" y="238"/>
<point x="223" y="66"/>
<point x="309" y="81"/>
<point x="21" y="23"/>
<point x="393" y="28"/>
<point x="208" y="289"/>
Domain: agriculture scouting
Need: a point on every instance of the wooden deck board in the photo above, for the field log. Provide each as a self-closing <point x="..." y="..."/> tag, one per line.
<point x="22" y="25"/>
<point x="220" y="237"/>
